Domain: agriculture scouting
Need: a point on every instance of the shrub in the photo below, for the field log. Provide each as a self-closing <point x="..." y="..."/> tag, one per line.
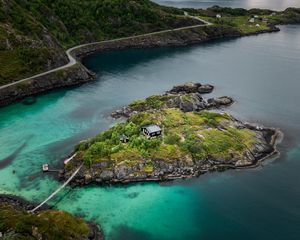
<point x="172" y="138"/>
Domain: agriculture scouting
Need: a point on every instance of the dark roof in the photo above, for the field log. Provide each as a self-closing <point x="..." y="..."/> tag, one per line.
<point x="151" y="128"/>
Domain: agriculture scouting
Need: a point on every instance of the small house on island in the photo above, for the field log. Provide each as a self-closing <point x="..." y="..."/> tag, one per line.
<point x="152" y="130"/>
<point x="218" y="16"/>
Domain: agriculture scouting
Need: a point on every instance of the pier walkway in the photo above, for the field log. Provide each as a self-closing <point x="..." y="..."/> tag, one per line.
<point x="57" y="190"/>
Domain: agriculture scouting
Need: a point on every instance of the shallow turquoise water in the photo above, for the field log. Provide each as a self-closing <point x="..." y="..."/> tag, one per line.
<point x="260" y="72"/>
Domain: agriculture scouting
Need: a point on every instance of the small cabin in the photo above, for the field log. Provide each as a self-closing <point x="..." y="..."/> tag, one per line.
<point x="218" y="16"/>
<point x="124" y="138"/>
<point x="152" y="130"/>
<point x="45" y="167"/>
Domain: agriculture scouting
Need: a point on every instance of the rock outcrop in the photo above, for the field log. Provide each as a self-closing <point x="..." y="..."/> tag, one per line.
<point x="187" y="97"/>
<point x="192" y="88"/>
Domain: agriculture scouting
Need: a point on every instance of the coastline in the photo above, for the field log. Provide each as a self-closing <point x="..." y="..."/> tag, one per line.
<point x="75" y="73"/>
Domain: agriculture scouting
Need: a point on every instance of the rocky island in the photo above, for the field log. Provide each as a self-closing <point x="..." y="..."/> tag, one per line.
<point x="17" y="223"/>
<point x="178" y="134"/>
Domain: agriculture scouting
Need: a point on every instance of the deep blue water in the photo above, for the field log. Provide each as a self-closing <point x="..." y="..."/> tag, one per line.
<point x="261" y="72"/>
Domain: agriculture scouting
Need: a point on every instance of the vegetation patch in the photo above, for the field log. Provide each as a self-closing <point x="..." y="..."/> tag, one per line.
<point x="16" y="223"/>
<point x="190" y="136"/>
<point x="247" y="21"/>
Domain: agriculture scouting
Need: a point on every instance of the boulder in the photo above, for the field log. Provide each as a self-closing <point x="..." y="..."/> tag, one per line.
<point x="106" y="175"/>
<point x="186" y="88"/>
<point x="206" y="88"/>
<point x="192" y="102"/>
<point x="220" y="101"/>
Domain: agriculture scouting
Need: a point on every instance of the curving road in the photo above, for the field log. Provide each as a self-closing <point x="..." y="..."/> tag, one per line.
<point x="73" y="60"/>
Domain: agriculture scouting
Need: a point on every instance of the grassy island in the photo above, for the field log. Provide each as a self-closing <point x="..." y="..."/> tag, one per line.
<point x="190" y="140"/>
<point x="190" y="136"/>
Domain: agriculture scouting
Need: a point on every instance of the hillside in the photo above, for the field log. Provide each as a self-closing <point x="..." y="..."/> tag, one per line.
<point x="34" y="34"/>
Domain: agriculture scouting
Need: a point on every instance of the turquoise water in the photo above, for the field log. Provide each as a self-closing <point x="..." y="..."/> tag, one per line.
<point x="260" y="72"/>
<point x="270" y="4"/>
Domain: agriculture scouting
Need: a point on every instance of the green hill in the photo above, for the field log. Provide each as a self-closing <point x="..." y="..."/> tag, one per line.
<point x="34" y="34"/>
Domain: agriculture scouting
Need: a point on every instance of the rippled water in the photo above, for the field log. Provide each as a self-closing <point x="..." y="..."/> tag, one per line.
<point x="270" y="4"/>
<point x="260" y="72"/>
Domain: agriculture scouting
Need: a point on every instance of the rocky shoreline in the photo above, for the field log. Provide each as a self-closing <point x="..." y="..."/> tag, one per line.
<point x="72" y="76"/>
<point x="23" y="205"/>
<point x="266" y="140"/>
<point x="78" y="74"/>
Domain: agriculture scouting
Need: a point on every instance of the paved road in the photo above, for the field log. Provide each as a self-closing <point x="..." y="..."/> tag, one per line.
<point x="73" y="61"/>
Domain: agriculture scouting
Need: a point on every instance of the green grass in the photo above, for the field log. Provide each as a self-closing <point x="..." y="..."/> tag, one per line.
<point x="48" y="224"/>
<point x="186" y="136"/>
<point x="240" y="22"/>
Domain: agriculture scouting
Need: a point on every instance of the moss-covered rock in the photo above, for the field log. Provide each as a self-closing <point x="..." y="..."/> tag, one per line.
<point x="187" y="97"/>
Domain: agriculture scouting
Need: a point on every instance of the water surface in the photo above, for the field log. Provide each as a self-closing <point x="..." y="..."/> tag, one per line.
<point x="260" y="72"/>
